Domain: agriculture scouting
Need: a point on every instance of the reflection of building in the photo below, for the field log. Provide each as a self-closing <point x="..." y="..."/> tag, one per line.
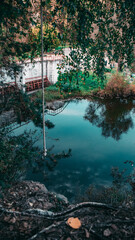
<point x="56" y="107"/>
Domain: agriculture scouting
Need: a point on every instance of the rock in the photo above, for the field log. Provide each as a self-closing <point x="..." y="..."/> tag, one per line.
<point x="38" y="186"/>
<point x="61" y="197"/>
<point x="48" y="205"/>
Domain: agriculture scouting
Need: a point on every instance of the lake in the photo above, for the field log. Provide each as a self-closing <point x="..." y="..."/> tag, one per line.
<point x="100" y="134"/>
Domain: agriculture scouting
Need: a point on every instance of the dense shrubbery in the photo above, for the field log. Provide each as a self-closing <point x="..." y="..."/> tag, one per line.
<point x="73" y="84"/>
<point x="79" y="82"/>
<point x="117" y="86"/>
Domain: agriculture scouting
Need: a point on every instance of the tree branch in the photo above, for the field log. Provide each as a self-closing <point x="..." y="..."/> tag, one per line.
<point x="44" y="230"/>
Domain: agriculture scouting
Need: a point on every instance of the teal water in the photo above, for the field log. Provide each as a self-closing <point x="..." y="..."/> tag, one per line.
<point x="101" y="135"/>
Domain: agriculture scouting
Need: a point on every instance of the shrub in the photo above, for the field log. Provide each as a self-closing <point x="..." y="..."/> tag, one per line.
<point x="117" y="86"/>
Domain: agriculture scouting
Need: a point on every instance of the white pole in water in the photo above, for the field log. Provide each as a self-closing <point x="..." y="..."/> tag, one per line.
<point x="43" y="97"/>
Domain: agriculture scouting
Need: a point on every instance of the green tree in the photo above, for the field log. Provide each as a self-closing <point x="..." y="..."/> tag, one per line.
<point x="99" y="29"/>
<point x="15" y="18"/>
<point x="50" y="39"/>
<point x="96" y="28"/>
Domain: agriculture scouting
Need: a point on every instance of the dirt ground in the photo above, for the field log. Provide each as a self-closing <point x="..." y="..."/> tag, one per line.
<point x="16" y="223"/>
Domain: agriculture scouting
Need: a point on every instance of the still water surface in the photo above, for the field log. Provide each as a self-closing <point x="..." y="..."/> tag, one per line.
<point x="101" y="135"/>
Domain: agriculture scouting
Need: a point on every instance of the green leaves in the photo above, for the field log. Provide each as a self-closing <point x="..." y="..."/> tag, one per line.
<point x="16" y="153"/>
<point x="50" y="39"/>
<point x="24" y="108"/>
<point x="99" y="29"/>
<point x="94" y="28"/>
<point x="14" y="23"/>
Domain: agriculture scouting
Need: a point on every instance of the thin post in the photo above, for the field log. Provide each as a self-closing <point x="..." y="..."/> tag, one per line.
<point x="46" y="68"/>
<point x="43" y="97"/>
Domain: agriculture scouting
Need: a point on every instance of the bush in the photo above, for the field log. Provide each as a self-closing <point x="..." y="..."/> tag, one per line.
<point x="117" y="86"/>
<point x="76" y="82"/>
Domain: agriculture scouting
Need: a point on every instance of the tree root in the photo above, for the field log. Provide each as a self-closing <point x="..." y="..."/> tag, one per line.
<point x="52" y="215"/>
<point x="4" y="210"/>
<point x="60" y="218"/>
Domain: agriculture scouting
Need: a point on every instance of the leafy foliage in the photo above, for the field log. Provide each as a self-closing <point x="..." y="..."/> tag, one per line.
<point x="98" y="30"/>
<point x="15" y="18"/>
<point x="20" y="152"/>
<point x="50" y="39"/>
<point x="93" y="30"/>
<point x="117" y="86"/>
<point x="24" y="107"/>
<point x="72" y="81"/>
<point x="17" y="152"/>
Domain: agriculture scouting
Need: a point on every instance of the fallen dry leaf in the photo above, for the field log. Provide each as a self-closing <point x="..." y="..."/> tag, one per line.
<point x="87" y="233"/>
<point x="6" y="218"/>
<point x="74" y="222"/>
<point x="107" y="232"/>
<point x="31" y="204"/>
<point x="25" y="224"/>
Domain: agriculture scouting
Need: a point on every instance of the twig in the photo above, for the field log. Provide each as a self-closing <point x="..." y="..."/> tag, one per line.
<point x="109" y="223"/>
<point x="96" y="234"/>
<point x="44" y="230"/>
<point x="21" y="125"/>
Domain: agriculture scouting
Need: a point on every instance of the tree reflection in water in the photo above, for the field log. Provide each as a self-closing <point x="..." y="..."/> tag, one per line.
<point x="19" y="151"/>
<point x="113" y="117"/>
